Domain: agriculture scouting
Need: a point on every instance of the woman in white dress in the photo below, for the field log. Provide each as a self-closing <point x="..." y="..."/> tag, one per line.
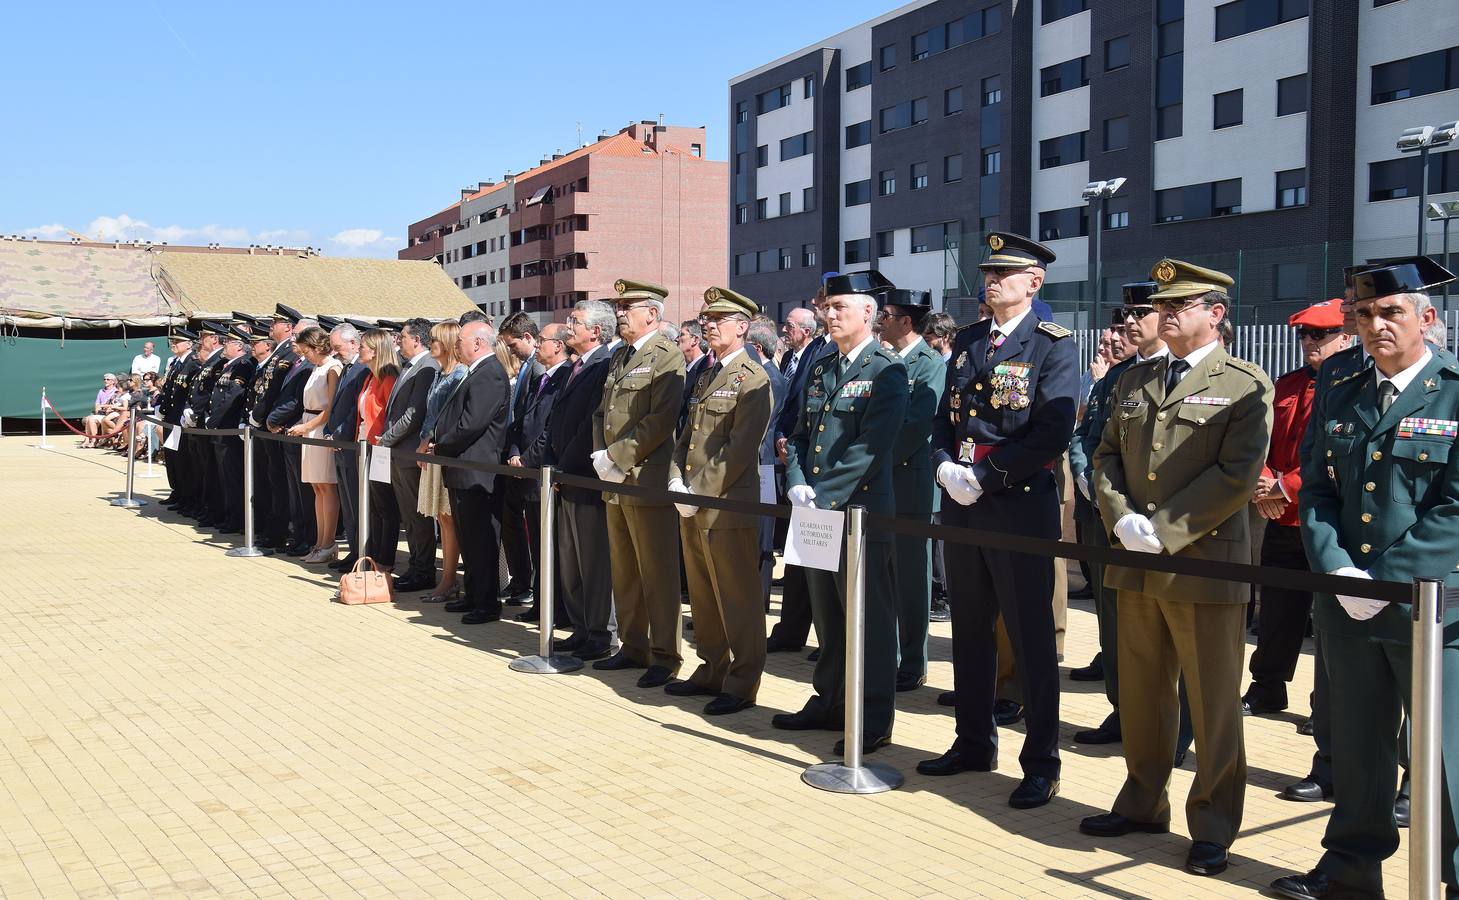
<point x="316" y="465"/>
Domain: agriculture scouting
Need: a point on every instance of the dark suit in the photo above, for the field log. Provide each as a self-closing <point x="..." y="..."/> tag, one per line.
<point x="519" y="495"/>
<point x="296" y="496"/>
<point x="270" y="487"/>
<point x="226" y="411"/>
<point x="207" y="498"/>
<point x="582" y="522"/>
<point x="403" y="416"/>
<point x="180" y="374"/>
<point x="472" y="426"/>
<point x="527" y="438"/>
<point x="343" y="426"/>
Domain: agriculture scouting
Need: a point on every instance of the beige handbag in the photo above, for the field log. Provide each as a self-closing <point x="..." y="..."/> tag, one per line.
<point x="364" y="586"/>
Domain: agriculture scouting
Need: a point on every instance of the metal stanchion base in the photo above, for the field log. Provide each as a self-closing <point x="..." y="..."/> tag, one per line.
<point x="871" y="778"/>
<point x="545" y="665"/>
<point x="247" y="552"/>
<point x="129" y="502"/>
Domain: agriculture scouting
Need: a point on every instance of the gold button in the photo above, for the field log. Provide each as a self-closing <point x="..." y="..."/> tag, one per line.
<point x="1150" y="507"/>
<point x="610" y="409"/>
<point x="1157" y="446"/>
<point x="820" y="428"/>
<point x="1213" y="534"/>
<point x="1151" y="476"/>
<point x="818" y="448"/>
<point x="1201" y="420"/>
<point x="1423" y="455"/>
<point x="1366" y="548"/>
<point x="977" y="387"/>
<point x="1369" y="486"/>
<point x="687" y="468"/>
<point x="1367" y="517"/>
<point x="1329" y="454"/>
<point x="1377" y="455"/>
<point x="833" y="504"/>
<point x="815" y="470"/>
<point x="1160" y="416"/>
<point x="696" y="426"/>
<point x="691" y="446"/>
<point x="866" y="487"/>
<point x="972" y="412"/>
<point x="851" y="409"/>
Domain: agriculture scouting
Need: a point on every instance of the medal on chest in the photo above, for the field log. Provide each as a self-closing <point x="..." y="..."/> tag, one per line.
<point x="1010" y="381"/>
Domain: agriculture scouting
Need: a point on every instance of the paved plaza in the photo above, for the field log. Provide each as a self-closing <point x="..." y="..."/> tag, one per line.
<point x="174" y="722"/>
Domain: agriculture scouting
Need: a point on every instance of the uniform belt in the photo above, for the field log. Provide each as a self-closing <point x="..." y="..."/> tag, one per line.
<point x="982" y="450"/>
<point x="313" y="412"/>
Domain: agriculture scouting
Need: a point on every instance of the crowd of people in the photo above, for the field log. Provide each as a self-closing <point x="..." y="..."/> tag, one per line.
<point x="1168" y="444"/>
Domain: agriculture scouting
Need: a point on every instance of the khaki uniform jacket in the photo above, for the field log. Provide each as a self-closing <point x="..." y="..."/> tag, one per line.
<point x="718" y="453"/>
<point x="1189" y="461"/>
<point x="636" y="418"/>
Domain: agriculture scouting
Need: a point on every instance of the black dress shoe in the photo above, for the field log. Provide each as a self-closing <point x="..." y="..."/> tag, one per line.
<point x="1006" y="712"/>
<point x="1307" y="791"/>
<point x="954" y="762"/>
<point x="725" y="704"/>
<point x="345" y="564"/>
<point x="593" y="650"/>
<point x="569" y="644"/>
<point x="1401" y="811"/>
<point x="1092" y="672"/>
<point x="299" y="549"/>
<point x="1315" y="885"/>
<point x="1306" y="727"/>
<point x="460" y="604"/>
<point x="411" y="585"/>
<point x="1206" y="858"/>
<point x="517" y="592"/>
<point x="1034" y="791"/>
<point x="802" y="721"/>
<point x="947" y="698"/>
<point x="1115" y="825"/>
<point x="940" y="611"/>
<point x="480" y="617"/>
<point x="814" y="655"/>
<point x="1256" y="706"/>
<point x="1108" y="732"/>
<point x="868" y="744"/>
<point x="531" y="614"/>
<point x="906" y="681"/>
<point x="619" y="660"/>
<point x="656" y="676"/>
<point x="688" y="688"/>
<point x="776" y="646"/>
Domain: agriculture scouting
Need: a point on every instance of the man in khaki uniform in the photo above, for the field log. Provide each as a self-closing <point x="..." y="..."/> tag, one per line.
<point x="1182" y="452"/>
<point x="633" y="434"/>
<point x="718" y="455"/>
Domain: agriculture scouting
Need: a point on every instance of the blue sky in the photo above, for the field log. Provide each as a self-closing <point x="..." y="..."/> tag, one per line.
<point x="336" y="124"/>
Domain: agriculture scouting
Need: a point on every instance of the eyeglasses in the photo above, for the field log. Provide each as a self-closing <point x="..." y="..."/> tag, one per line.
<point x="625" y="307"/>
<point x="1316" y="334"/>
<point x="706" y="321"/>
<point x="1130" y="312"/>
<point x="575" y="321"/>
<point x="1173" y="307"/>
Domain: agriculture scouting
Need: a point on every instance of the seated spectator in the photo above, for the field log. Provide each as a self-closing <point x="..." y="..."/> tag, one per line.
<point x="93" y="422"/>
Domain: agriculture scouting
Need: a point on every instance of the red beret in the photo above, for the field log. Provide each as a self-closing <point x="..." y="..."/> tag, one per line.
<point x="1327" y="314"/>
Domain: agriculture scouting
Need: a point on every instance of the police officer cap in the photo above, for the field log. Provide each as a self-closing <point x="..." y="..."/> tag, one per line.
<point x="723" y="300"/>
<point x="247" y="320"/>
<point x="360" y="324"/>
<point x="869" y="282"/>
<point x="1178" y="278"/>
<point x="285" y="313"/>
<point x="1139" y="292"/>
<point x="1347" y="275"/>
<point x="1403" y="276"/>
<point x="328" y="323"/>
<point x="1014" y="251"/>
<point x="212" y="326"/>
<point x="629" y="291"/>
<point x="394" y="325"/>
<point x="183" y="334"/>
<point x="239" y="333"/>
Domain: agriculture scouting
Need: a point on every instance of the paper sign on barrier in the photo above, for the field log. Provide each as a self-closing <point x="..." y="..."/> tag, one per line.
<point x="767" y="485"/>
<point x="174" y="439"/>
<point x="380" y="463"/>
<point x="816" y="538"/>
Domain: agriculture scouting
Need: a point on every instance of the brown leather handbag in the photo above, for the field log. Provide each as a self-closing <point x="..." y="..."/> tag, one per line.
<point x="364" y="586"/>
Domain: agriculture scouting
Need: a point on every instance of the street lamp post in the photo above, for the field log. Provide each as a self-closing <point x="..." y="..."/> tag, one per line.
<point x="1095" y="193"/>
<point x="1446" y="212"/>
<point x="1422" y="139"/>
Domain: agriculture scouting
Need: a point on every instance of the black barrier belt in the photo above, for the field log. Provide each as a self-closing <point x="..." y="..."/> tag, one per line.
<point x="203" y="432"/>
<point x="451" y="462"/>
<point x="634" y="490"/>
<point x="346" y="447"/>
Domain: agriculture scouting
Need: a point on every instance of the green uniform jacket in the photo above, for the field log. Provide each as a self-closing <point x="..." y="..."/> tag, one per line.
<point x="842" y="445"/>
<point x="1381" y="491"/>
<point x="912" y="483"/>
<point x="718" y="453"/>
<point x="1189" y="461"/>
<point x="635" y="422"/>
<point x="1090" y="429"/>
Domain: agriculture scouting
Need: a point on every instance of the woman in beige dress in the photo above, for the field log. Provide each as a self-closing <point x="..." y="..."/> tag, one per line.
<point x="433" y="499"/>
<point x="316" y="464"/>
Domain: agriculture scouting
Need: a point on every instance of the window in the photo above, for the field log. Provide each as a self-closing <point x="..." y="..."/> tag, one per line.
<point x="857" y="251"/>
<point x="1054" y="10"/>
<point x="1244" y="16"/>
<point x="1416" y="76"/>
<point x="887" y="57"/>
<point x="992" y="90"/>
<point x="808" y="87"/>
<point x="745" y="264"/>
<point x="952" y="168"/>
<point x="1227" y="106"/>
<point x="762" y="156"/>
<point x="989" y="223"/>
<point x="1292" y="95"/>
<point x="919" y="110"/>
<point x="919" y="176"/>
<point x="787" y="259"/>
<point x="768" y="260"/>
<point x="1061" y="151"/>
<point x="1058" y="224"/>
<point x="785" y="204"/>
<point x="858" y="76"/>
<point x="920" y="46"/>
<point x="1168" y="122"/>
<point x="1116" y="53"/>
<point x="992" y="161"/>
<point x="1226" y="197"/>
<point x="742" y="162"/>
<point x="885" y="243"/>
<point x="696" y="150"/>
<point x="1117" y="213"/>
<point x="742" y="213"/>
<point x="1393" y="179"/>
<point x="808" y="199"/>
<point x="1066" y="76"/>
<point x="1291" y="188"/>
<point x="1199" y="201"/>
<point x="807" y="255"/>
<point x="903" y="115"/>
<point x="858" y="192"/>
<point x="858" y="134"/>
<point x="935" y="238"/>
<point x="1170" y="205"/>
<point x="1117" y="133"/>
<point x="797" y="145"/>
<point x="773" y="99"/>
<point x="952" y="101"/>
<point x="742" y="112"/>
<point x="760" y="212"/>
<point x="887" y="183"/>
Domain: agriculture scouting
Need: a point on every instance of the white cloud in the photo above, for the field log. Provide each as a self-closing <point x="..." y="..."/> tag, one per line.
<point x="361" y="238"/>
<point x="119" y="228"/>
<point x="126" y="228"/>
<point x="49" y="232"/>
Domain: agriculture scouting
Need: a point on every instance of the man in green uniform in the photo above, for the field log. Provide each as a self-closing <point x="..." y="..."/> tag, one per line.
<point x="1174" y="470"/>
<point x="633" y="434"/>
<point x="718" y="455"/>
<point x="840" y="454"/>
<point x="1380" y="499"/>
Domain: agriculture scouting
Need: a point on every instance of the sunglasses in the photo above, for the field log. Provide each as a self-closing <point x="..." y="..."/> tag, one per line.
<point x="1173" y="307"/>
<point x="1119" y="316"/>
<point x="1316" y="334"/>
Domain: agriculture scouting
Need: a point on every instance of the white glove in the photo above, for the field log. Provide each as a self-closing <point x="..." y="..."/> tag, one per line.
<point x="607" y="469"/>
<point x="947" y="473"/>
<point x="801" y="495"/>
<point x="1359" y="609"/>
<point x="188" y="418"/>
<point x="1083" y="481"/>
<point x="961" y="486"/>
<point x="1137" y="533"/>
<point x="679" y="487"/>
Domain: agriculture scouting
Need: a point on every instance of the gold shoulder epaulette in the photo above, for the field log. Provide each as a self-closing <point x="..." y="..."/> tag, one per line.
<point x="1053" y="330"/>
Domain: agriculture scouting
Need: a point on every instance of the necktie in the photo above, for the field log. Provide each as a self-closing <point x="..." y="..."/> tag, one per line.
<point x="1178" y="367"/>
<point x="712" y="360"/>
<point x="790" y="366"/>
<point x="576" y="368"/>
<point x="994" y="342"/>
<point x="1386" y="392"/>
<point x="541" y="383"/>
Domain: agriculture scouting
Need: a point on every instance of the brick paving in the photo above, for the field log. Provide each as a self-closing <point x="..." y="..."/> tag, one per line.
<point x="177" y="723"/>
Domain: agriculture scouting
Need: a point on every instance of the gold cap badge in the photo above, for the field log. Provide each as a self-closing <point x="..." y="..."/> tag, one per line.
<point x="1164" y="273"/>
<point x="619" y="286"/>
<point x="995" y="243"/>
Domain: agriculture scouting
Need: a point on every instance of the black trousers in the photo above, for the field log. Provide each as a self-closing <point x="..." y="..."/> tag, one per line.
<point x="202" y="470"/>
<point x="263" y="494"/>
<point x="346" y="473"/>
<point x="1282" y="621"/>
<point x="281" y="492"/>
<point x="301" y="498"/>
<point x="477" y="512"/>
<point x="384" y="538"/>
<point x="521" y="551"/>
<point x="420" y="531"/>
<point x="229" y="452"/>
<point x="175" y="462"/>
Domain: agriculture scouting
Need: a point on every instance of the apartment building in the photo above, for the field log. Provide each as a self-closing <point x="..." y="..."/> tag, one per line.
<point x="1257" y="135"/>
<point x="643" y="203"/>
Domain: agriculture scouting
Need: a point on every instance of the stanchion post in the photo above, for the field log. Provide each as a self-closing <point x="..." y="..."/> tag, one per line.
<point x="1427" y="732"/>
<point x="44" y="404"/>
<point x="130" y="502"/>
<point x="362" y="486"/>
<point x="851" y="776"/>
<point x="248" y="549"/>
<point x="546" y="662"/>
<point x="150" y="473"/>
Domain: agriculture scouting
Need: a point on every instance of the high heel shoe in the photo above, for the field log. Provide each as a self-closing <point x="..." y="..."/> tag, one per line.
<point x="322" y="555"/>
<point x="433" y="597"/>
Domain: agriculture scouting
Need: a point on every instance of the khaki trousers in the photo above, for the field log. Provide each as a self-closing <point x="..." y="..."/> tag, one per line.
<point x="644" y="558"/>
<point x="1159" y="639"/>
<point x="727" y="605"/>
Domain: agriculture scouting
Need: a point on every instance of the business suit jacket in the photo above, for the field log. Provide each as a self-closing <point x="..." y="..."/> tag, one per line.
<point x="1188" y="460"/>
<point x="473" y="424"/>
<point x="718" y="453"/>
<point x="288" y="408"/>
<point x="912" y="447"/>
<point x="344" y="410"/>
<point x="777" y="404"/>
<point x="569" y="436"/>
<point x="636" y="418"/>
<point x="406" y="408"/>
<point x="528" y="436"/>
<point x="270" y="382"/>
<point x="789" y="417"/>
